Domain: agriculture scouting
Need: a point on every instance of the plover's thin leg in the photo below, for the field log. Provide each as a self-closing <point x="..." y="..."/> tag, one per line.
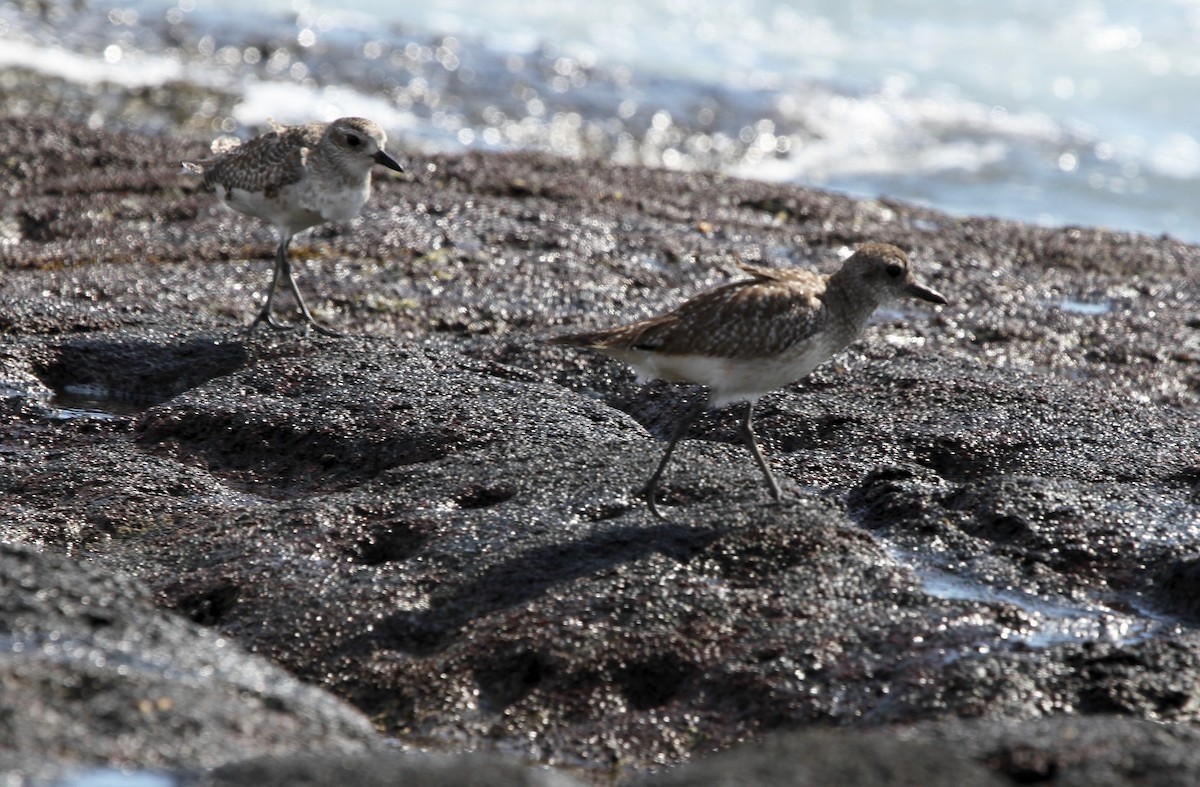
<point x="680" y="430"/>
<point x="265" y="314"/>
<point x="286" y="265"/>
<point x="752" y="444"/>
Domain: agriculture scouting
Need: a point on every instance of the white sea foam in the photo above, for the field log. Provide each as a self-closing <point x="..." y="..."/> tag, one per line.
<point x="114" y="65"/>
<point x="889" y="133"/>
<point x="1083" y="111"/>
<point x="289" y="102"/>
<point x="1176" y="156"/>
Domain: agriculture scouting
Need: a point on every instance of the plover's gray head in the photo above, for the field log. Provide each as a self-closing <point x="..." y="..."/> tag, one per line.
<point x="359" y="144"/>
<point x="884" y="270"/>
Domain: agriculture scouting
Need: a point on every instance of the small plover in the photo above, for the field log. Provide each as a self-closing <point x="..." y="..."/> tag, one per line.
<point x="296" y="177"/>
<point x="749" y="337"/>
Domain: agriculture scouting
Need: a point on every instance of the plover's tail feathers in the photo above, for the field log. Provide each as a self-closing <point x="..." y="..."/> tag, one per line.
<point x="220" y="146"/>
<point x="641" y="335"/>
<point x="588" y="339"/>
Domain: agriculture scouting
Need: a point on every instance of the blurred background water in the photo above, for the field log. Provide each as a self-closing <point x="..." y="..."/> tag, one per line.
<point x="1079" y="112"/>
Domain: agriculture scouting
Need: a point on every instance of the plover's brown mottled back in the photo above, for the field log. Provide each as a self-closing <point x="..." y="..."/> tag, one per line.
<point x="752" y="336"/>
<point x="296" y="177"/>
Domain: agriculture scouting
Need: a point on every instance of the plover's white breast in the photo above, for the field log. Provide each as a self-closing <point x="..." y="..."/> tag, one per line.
<point x="331" y="199"/>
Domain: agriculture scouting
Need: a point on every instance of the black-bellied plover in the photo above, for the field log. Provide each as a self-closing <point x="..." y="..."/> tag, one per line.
<point x="749" y="337"/>
<point x="296" y="177"/>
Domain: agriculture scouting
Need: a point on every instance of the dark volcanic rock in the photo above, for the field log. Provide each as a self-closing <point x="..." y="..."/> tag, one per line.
<point x="94" y="674"/>
<point x="1063" y="750"/>
<point x="987" y="546"/>
<point x="1071" y="750"/>
<point x="829" y="757"/>
<point x="337" y="416"/>
<point x="514" y="585"/>
<point x="1177" y="588"/>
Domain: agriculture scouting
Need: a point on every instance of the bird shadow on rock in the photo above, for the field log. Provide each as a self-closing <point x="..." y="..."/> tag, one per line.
<point x="136" y="372"/>
<point x="529" y="575"/>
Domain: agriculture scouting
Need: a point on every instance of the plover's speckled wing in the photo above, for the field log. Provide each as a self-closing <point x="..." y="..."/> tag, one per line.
<point x="753" y="318"/>
<point x="265" y="164"/>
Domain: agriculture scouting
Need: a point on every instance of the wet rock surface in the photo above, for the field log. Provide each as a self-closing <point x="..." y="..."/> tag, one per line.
<point x="95" y="674"/>
<point x="987" y="545"/>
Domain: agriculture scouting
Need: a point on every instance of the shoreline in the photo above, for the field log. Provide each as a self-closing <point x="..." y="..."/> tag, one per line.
<point x="171" y="70"/>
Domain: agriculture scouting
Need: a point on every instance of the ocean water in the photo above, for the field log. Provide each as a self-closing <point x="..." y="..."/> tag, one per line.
<point x="1080" y="112"/>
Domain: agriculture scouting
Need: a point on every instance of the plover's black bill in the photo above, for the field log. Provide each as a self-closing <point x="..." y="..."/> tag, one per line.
<point x="925" y="293"/>
<point x="382" y="157"/>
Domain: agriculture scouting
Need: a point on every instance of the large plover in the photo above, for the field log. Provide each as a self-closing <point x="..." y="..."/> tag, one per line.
<point x="296" y="177"/>
<point x="752" y="336"/>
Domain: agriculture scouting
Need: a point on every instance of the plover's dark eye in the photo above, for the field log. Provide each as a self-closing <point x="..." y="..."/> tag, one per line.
<point x="895" y="270"/>
<point x="353" y="141"/>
